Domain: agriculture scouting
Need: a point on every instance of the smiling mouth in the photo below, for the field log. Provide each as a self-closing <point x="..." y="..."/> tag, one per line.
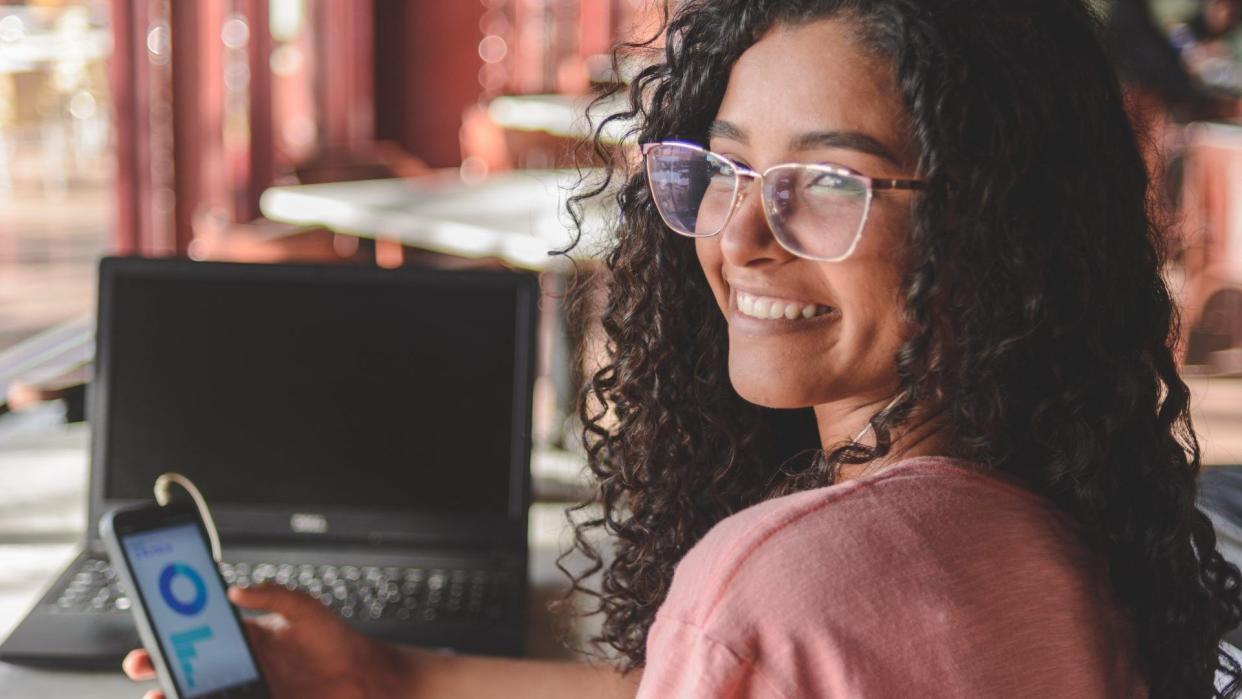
<point x="768" y="308"/>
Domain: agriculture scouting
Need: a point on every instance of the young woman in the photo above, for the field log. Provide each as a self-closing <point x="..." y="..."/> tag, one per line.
<point x="910" y="239"/>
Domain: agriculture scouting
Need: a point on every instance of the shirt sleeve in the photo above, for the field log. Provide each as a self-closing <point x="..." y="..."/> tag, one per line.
<point x="684" y="662"/>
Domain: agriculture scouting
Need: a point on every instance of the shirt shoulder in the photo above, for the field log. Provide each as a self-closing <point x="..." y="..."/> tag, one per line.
<point x="918" y="508"/>
<point x="812" y="588"/>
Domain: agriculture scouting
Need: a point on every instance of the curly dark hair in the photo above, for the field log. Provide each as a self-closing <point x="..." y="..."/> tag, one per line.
<point x="1038" y="320"/>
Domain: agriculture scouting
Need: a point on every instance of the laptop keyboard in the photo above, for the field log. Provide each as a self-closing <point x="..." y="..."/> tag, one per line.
<point x="355" y="592"/>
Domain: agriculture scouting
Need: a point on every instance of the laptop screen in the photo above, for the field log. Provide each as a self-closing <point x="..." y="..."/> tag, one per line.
<point x="365" y="390"/>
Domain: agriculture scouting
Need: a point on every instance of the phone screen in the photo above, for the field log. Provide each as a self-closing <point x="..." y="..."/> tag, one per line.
<point x="185" y="601"/>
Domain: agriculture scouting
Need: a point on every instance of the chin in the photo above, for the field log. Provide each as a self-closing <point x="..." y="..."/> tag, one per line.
<point x="784" y="395"/>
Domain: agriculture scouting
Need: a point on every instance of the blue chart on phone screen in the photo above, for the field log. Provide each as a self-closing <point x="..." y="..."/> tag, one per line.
<point x="197" y="630"/>
<point x="185" y="592"/>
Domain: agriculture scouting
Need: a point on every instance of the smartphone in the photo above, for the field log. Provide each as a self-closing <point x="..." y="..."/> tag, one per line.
<point x="186" y="622"/>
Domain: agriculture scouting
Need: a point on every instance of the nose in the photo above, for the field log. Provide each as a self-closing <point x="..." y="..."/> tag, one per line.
<point x="747" y="239"/>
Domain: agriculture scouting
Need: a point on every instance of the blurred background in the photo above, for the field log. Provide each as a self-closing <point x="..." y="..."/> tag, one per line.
<point x="262" y="131"/>
<point x="141" y="127"/>
<point x="296" y="130"/>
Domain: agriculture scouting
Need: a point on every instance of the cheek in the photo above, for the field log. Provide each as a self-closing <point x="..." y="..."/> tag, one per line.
<point x="869" y="284"/>
<point x="878" y="319"/>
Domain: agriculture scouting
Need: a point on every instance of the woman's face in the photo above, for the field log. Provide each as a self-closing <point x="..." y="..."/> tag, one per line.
<point x="811" y="94"/>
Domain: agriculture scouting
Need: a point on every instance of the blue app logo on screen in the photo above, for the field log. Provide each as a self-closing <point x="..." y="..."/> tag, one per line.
<point x="194" y="605"/>
<point x="187" y="606"/>
<point x="185" y="644"/>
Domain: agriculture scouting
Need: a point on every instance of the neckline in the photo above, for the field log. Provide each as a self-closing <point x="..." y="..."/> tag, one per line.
<point x="909" y="462"/>
<point x="972" y="470"/>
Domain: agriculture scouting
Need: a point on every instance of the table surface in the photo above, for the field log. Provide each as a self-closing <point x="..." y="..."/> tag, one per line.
<point x="43" y="467"/>
<point x="518" y="216"/>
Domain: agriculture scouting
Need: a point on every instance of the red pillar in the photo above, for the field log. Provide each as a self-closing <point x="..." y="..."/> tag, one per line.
<point x="138" y="73"/>
<point x="427" y="74"/>
<point x="346" y="48"/>
<point x="261" y="166"/>
<point x="129" y="53"/>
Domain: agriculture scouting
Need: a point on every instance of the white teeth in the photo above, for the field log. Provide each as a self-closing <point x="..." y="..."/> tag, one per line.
<point x="773" y="309"/>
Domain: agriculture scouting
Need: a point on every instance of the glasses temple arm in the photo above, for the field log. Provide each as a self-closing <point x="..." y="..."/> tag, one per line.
<point x="896" y="184"/>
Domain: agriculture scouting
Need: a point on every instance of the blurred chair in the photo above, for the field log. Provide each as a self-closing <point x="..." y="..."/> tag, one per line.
<point x="263" y="240"/>
<point x="1210" y="248"/>
<point x="528" y="132"/>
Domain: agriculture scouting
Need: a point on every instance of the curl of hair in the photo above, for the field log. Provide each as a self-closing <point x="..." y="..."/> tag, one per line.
<point x="1038" y="320"/>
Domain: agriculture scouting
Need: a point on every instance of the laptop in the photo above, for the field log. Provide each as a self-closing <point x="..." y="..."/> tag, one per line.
<point x="360" y="434"/>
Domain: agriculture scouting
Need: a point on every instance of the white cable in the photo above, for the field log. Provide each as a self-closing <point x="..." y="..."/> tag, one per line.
<point x="888" y="407"/>
<point x="871" y="466"/>
<point x="163" y="498"/>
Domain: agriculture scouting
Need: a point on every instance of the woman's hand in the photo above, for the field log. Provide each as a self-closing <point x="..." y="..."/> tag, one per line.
<point x="304" y="650"/>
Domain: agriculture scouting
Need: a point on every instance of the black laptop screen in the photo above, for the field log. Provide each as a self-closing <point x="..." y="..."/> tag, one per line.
<point x="314" y="391"/>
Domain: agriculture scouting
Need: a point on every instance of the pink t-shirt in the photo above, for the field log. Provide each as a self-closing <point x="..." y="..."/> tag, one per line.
<point x="927" y="579"/>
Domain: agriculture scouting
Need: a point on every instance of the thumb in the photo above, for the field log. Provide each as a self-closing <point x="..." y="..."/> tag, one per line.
<point x="274" y="598"/>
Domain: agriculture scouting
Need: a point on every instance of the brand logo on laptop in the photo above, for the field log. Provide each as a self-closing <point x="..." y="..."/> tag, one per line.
<point x="308" y="523"/>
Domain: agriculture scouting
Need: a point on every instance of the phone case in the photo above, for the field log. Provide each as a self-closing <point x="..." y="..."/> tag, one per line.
<point x="146" y="629"/>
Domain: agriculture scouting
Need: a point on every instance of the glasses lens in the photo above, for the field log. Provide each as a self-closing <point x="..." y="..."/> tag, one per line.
<point x="692" y="189"/>
<point x="816" y="212"/>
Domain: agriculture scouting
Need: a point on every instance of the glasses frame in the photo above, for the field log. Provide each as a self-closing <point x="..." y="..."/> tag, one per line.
<point x="739" y="194"/>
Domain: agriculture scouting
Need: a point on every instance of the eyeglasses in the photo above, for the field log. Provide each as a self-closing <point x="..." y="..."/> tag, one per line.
<point x="815" y="211"/>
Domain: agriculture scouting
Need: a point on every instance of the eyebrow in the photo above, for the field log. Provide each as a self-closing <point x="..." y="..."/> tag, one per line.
<point x="847" y="140"/>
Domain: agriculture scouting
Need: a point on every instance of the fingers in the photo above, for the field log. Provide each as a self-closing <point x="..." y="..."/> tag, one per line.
<point x="276" y="599"/>
<point x="137" y="665"/>
<point x="261" y="630"/>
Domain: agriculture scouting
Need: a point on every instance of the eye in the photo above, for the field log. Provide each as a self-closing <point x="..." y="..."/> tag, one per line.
<point x="730" y="159"/>
<point x="719" y="172"/>
<point x="833" y="184"/>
